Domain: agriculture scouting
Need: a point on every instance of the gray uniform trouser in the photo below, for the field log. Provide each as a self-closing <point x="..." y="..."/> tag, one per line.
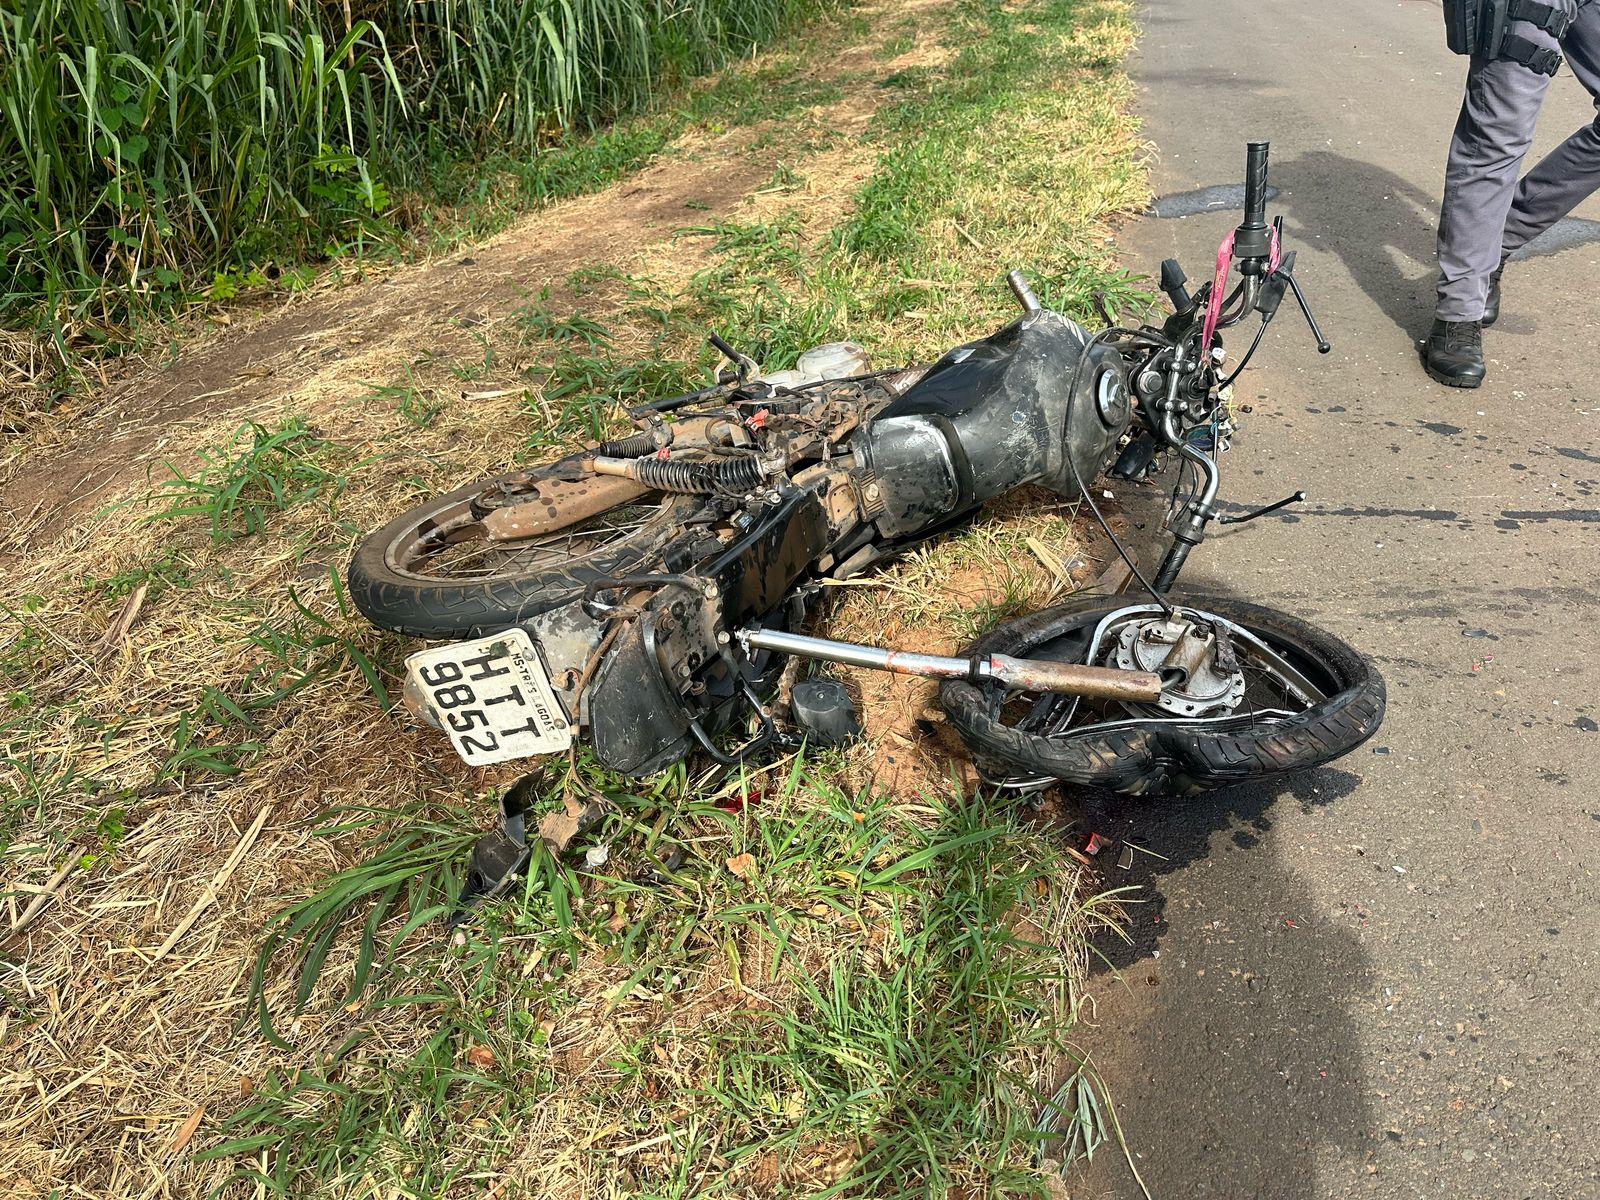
<point x="1487" y="214"/>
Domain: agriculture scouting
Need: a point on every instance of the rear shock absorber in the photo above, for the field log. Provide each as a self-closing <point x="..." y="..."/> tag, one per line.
<point x="634" y="446"/>
<point x="736" y="476"/>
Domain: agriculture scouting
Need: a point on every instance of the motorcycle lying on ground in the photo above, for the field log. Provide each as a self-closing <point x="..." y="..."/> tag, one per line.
<point x="643" y="595"/>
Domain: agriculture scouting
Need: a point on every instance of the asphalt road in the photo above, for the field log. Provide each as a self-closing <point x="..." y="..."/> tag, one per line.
<point x="1383" y="979"/>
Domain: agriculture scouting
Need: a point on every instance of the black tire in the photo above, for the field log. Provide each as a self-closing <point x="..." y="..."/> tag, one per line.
<point x="1165" y="756"/>
<point x="393" y="597"/>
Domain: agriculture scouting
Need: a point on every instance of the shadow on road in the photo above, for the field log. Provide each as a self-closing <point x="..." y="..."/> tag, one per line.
<point x="1233" y="948"/>
<point x="1382" y="227"/>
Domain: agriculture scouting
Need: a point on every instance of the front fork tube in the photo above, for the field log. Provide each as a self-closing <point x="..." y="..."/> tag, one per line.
<point x="1189" y="530"/>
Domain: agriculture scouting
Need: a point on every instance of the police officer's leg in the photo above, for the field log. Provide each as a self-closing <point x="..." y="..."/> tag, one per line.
<point x="1570" y="173"/>
<point x="1492" y="135"/>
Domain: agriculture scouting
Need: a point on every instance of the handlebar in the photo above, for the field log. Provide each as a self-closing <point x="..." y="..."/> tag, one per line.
<point x="1174" y="283"/>
<point x="1253" y="240"/>
<point x="1255" y="184"/>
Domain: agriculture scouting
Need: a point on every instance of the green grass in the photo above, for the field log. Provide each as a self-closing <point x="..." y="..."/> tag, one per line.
<point x="147" y="150"/>
<point x="260" y="471"/>
<point x="924" y="1051"/>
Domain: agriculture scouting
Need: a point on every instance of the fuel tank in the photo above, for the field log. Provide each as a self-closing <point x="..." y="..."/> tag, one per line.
<point x="992" y="415"/>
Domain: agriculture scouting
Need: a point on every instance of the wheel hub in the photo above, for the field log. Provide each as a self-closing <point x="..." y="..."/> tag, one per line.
<point x="1184" y="653"/>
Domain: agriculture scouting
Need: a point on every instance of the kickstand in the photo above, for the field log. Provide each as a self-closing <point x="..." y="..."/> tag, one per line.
<point x="498" y="857"/>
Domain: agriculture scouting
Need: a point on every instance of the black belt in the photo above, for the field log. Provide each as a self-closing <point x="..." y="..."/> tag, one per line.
<point x="1554" y="21"/>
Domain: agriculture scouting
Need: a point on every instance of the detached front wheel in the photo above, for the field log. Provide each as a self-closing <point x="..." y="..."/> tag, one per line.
<point x="1250" y="693"/>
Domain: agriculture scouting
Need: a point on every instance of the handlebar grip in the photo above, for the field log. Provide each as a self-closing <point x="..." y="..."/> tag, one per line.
<point x="1173" y="283"/>
<point x="1255" y="185"/>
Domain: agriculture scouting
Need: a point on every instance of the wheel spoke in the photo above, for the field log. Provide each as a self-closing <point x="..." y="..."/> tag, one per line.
<point x="451" y="544"/>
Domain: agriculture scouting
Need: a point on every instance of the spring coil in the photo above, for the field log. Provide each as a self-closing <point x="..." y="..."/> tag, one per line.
<point x="699" y="479"/>
<point x="634" y="446"/>
<point x="738" y="475"/>
<point x="668" y="475"/>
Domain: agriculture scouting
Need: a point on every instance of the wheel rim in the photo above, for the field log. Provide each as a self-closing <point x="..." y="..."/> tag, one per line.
<point x="1276" y="674"/>
<point x="448" y="542"/>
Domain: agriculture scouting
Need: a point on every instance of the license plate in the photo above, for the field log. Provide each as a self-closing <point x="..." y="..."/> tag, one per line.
<point x="493" y="697"/>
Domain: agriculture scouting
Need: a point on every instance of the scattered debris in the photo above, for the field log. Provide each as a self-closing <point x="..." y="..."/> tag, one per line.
<point x="671" y="861"/>
<point x="824" y="710"/>
<point x="1480" y="633"/>
<point x="1586" y="724"/>
<point x="597" y="856"/>
<point x="559" y="828"/>
<point x="1096" y="843"/>
<point x="1125" y="859"/>
<point x="186" y="1130"/>
<point x="742" y="865"/>
<point x="1380" y="749"/>
<point x="736" y="800"/>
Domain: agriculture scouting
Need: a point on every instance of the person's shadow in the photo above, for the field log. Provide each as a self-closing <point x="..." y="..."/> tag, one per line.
<point x="1233" y="1003"/>
<point x="1384" y="229"/>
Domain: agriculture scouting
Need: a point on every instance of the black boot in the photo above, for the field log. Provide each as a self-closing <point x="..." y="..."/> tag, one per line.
<point x="1491" y="306"/>
<point x="1455" y="353"/>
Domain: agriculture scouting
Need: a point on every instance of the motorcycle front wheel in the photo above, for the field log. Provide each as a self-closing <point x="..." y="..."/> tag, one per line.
<point x="1298" y="698"/>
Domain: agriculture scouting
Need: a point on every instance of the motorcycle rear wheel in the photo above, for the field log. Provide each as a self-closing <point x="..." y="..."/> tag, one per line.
<point x="1139" y="752"/>
<point x="433" y="573"/>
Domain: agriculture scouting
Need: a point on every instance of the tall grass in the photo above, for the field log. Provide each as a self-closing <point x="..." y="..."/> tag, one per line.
<point x="142" y="142"/>
<point x="147" y="143"/>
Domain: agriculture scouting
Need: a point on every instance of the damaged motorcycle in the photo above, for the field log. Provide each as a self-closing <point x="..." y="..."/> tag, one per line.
<point x="644" y="594"/>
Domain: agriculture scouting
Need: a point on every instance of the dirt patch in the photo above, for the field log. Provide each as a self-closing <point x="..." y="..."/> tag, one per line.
<point x="330" y="343"/>
<point x="1026" y="551"/>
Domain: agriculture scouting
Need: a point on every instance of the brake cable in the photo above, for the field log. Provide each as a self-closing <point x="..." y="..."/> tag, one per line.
<point x="1104" y="337"/>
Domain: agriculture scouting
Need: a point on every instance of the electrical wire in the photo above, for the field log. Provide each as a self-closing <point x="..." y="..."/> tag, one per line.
<point x="1248" y="354"/>
<point x="1104" y="337"/>
<point x="1185" y="468"/>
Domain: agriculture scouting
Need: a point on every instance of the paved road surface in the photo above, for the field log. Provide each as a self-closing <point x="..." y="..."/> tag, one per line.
<point x="1385" y="979"/>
